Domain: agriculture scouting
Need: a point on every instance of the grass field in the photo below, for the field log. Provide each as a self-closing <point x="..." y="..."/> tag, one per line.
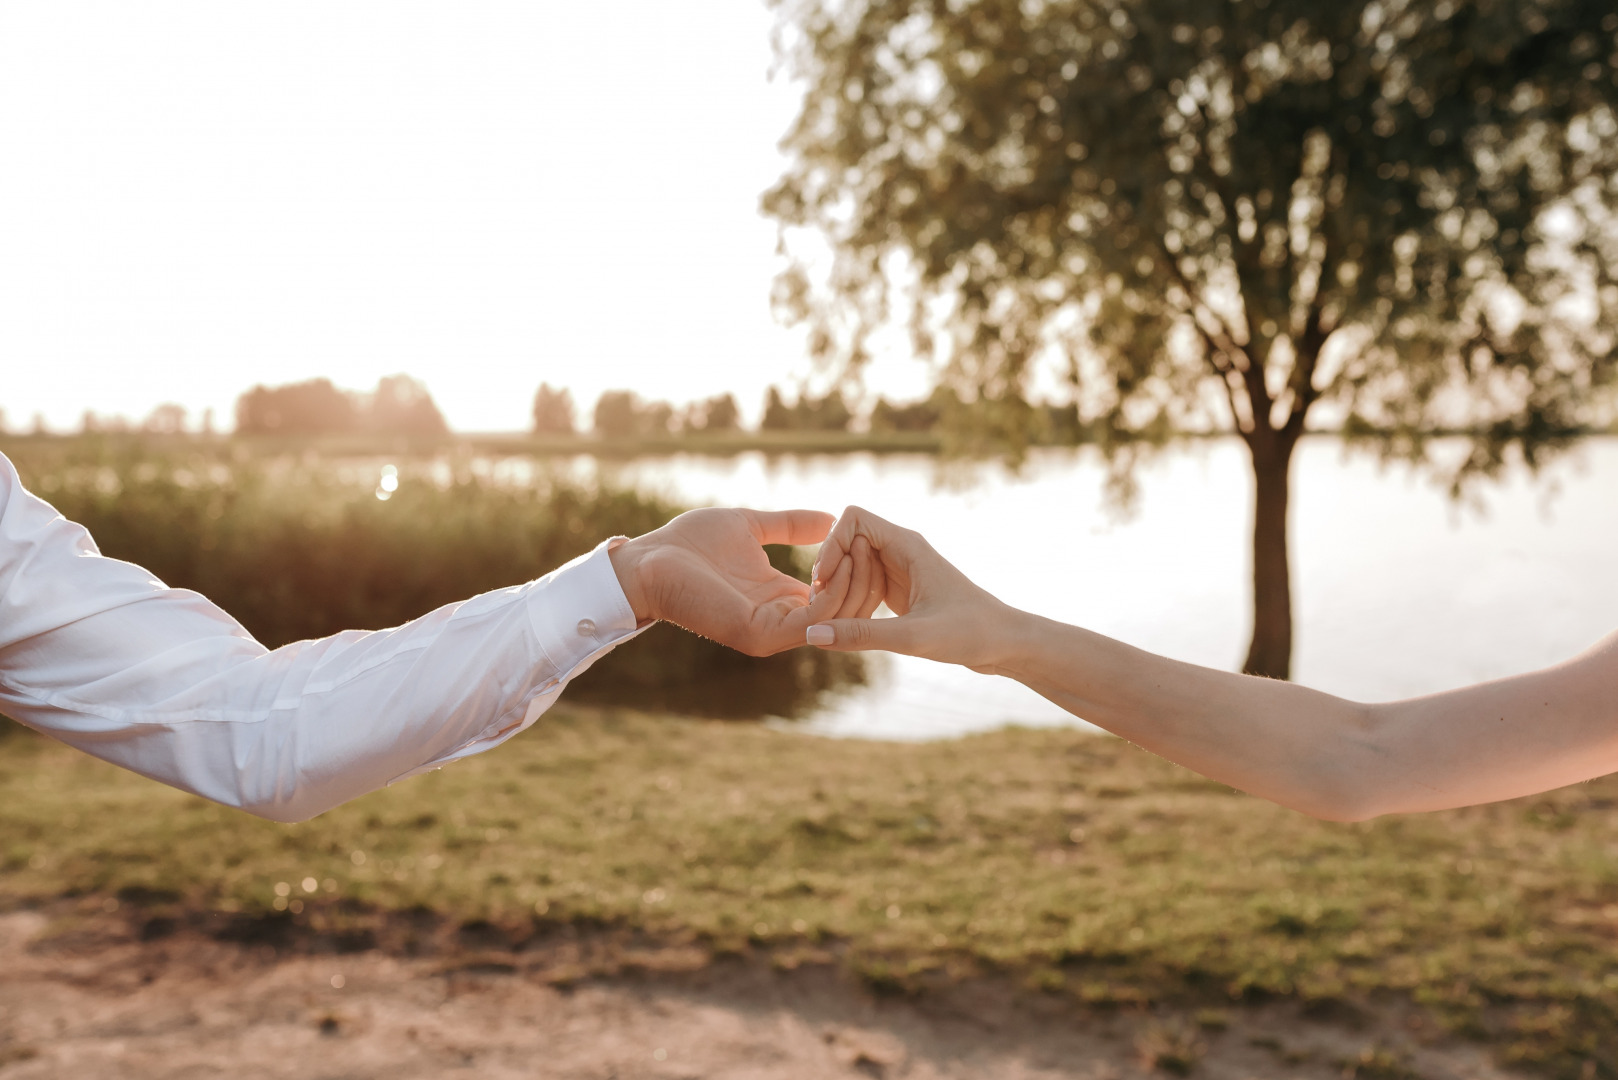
<point x="1070" y="862"/>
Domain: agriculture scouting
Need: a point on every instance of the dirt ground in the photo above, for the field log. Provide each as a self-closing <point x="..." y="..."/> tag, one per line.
<point x="99" y="1001"/>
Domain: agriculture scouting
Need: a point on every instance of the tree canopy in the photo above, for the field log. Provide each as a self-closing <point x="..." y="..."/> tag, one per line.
<point x="1195" y="195"/>
<point x="830" y="412"/>
<point x="313" y="407"/>
<point x="553" y="411"/>
<point x="400" y="405"/>
<point x="716" y="414"/>
<point x="1221" y="214"/>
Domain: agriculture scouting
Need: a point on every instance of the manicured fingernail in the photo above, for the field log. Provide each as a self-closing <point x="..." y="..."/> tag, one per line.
<point x="820" y="634"/>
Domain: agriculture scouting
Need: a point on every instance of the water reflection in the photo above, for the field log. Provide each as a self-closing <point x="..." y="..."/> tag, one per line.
<point x="670" y="670"/>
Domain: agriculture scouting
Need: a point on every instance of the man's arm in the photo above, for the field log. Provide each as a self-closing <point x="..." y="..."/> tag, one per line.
<point x="102" y="655"/>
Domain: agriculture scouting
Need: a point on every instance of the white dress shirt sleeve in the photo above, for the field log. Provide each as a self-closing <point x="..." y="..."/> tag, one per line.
<point x="101" y="655"/>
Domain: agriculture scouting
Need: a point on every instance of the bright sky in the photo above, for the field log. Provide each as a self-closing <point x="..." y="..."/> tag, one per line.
<point x="200" y="196"/>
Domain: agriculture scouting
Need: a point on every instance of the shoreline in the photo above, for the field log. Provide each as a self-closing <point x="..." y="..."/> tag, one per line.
<point x="526" y="444"/>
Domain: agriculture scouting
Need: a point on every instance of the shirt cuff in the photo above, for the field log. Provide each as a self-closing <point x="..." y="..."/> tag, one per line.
<point x="579" y="611"/>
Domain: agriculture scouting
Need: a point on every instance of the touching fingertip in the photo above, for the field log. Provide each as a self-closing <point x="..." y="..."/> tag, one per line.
<point x="820" y="634"/>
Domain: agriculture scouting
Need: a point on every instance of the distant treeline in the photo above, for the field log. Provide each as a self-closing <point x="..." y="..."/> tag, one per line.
<point x="402" y="406"/>
<point x="622" y="414"/>
<point x="399" y="405"/>
<point x="306" y="550"/>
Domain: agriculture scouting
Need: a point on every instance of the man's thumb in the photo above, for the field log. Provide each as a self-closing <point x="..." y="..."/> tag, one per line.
<point x="854" y="635"/>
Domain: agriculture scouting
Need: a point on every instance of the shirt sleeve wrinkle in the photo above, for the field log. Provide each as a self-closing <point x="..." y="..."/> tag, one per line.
<point x="104" y="656"/>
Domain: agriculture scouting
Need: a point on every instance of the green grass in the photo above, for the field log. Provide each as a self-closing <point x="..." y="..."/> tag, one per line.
<point x="1070" y="862"/>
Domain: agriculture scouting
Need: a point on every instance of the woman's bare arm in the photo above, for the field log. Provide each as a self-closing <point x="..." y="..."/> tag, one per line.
<point x="1304" y="749"/>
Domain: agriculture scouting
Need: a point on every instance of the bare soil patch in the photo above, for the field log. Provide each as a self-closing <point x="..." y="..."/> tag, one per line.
<point x="119" y="996"/>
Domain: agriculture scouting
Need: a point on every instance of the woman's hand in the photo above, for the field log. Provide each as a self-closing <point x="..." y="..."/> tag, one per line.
<point x="942" y="615"/>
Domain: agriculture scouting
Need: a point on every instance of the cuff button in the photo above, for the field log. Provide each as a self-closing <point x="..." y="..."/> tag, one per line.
<point x="587" y="628"/>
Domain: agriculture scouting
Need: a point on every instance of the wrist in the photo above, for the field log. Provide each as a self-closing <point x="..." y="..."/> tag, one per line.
<point x="999" y="637"/>
<point x="628" y="557"/>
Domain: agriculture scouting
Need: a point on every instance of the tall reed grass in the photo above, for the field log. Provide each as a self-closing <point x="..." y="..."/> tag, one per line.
<point x="302" y="546"/>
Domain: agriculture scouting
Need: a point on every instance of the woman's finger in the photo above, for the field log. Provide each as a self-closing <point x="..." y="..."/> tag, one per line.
<point x="855" y="521"/>
<point x="830" y="599"/>
<point x="857" y="635"/>
<point x="859" y="585"/>
<point x="877" y="592"/>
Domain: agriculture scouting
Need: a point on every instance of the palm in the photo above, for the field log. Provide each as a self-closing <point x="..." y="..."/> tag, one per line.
<point x="712" y="577"/>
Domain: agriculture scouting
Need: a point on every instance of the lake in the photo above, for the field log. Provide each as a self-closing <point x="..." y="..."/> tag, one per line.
<point x="1398" y="591"/>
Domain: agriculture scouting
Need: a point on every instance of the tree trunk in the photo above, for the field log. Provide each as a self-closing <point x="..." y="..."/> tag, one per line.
<point x="1270" y="653"/>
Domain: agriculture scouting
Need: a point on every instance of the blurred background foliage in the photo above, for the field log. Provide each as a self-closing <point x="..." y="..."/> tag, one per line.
<point x="1397" y="218"/>
<point x="300" y="547"/>
<point x="400" y="405"/>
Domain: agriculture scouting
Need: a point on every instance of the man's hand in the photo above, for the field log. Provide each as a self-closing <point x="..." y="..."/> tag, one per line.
<point x="706" y="571"/>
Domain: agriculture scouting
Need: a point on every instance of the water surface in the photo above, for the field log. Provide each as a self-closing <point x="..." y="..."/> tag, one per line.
<point x="1398" y="591"/>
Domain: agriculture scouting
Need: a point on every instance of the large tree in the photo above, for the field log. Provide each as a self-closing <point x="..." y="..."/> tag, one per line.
<point x="1396" y="215"/>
